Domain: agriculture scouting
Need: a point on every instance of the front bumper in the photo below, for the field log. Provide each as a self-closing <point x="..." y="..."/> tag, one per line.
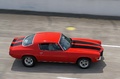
<point x="101" y="55"/>
<point x="99" y="58"/>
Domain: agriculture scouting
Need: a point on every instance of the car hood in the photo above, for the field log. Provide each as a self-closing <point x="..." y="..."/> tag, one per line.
<point x="85" y="45"/>
<point x="86" y="41"/>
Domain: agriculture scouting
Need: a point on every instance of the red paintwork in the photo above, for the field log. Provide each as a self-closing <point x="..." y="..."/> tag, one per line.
<point x="47" y="37"/>
<point x="70" y="55"/>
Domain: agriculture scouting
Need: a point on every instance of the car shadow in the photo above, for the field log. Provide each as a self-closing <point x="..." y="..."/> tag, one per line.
<point x="43" y="67"/>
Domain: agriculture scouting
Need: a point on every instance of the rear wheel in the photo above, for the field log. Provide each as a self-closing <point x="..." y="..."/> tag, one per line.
<point x="29" y="61"/>
<point x="84" y="63"/>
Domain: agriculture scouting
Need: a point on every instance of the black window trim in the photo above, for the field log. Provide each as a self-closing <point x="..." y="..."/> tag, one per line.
<point x="50" y="43"/>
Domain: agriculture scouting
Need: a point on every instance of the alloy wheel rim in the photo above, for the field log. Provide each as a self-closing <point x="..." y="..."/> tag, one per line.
<point x="84" y="63"/>
<point x="28" y="61"/>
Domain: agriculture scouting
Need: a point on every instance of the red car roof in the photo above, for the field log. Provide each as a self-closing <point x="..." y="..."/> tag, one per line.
<point x="41" y="37"/>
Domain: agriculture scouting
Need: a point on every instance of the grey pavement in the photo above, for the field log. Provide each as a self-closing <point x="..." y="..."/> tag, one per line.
<point x="108" y="31"/>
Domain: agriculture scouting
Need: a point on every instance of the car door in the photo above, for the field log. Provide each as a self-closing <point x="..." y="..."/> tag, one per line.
<point x="51" y="52"/>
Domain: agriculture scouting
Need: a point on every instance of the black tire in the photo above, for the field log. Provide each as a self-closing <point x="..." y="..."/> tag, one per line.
<point x="84" y="63"/>
<point x="29" y="61"/>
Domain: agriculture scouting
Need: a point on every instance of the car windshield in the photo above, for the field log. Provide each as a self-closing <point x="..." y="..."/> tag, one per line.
<point x="65" y="42"/>
<point x="28" y="40"/>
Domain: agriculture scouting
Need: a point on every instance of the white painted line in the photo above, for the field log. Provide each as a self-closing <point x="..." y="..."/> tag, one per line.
<point x="66" y="78"/>
<point x="115" y="46"/>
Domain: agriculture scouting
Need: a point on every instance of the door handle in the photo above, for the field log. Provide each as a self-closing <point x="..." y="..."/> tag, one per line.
<point x="41" y="52"/>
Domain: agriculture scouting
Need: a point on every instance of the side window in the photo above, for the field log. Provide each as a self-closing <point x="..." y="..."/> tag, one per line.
<point x="44" y="46"/>
<point x="49" y="46"/>
<point x="53" y="46"/>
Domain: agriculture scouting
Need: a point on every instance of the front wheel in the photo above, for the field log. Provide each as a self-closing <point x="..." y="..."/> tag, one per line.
<point x="28" y="61"/>
<point x="84" y="63"/>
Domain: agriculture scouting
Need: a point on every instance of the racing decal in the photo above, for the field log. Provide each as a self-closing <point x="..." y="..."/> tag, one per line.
<point x="18" y="39"/>
<point x="86" y="47"/>
<point x="16" y="44"/>
<point x="83" y="42"/>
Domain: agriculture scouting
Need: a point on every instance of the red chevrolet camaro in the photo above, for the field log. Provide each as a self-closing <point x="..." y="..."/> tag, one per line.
<point x="55" y="47"/>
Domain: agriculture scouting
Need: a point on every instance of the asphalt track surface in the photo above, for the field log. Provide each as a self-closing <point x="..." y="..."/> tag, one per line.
<point x="108" y="31"/>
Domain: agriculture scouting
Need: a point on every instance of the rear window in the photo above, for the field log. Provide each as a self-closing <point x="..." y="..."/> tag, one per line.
<point x="28" y="40"/>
